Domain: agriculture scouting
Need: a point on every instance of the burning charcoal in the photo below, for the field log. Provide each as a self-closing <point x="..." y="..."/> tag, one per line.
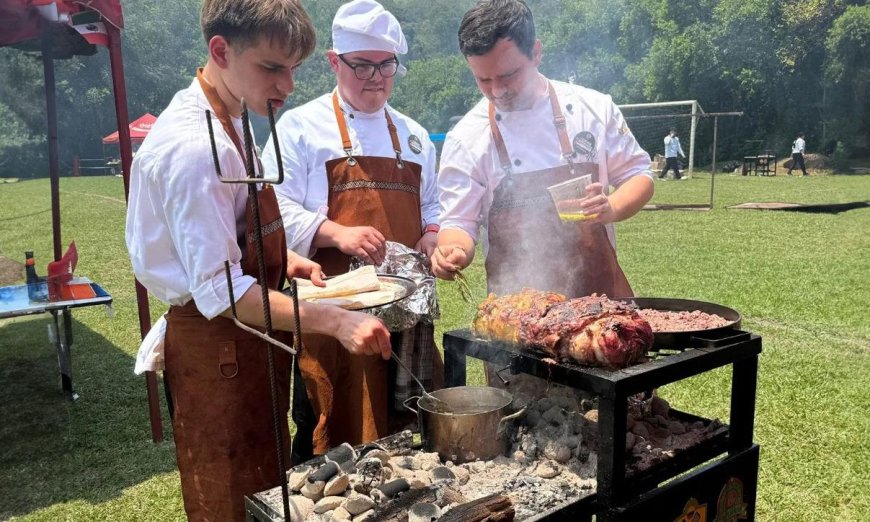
<point x="324" y="473"/>
<point x="328" y="504"/>
<point x="660" y="406"/>
<point x="554" y="416"/>
<point x="641" y="430"/>
<point x="424" y="513"/>
<point x="336" y="485"/>
<point x="629" y="441"/>
<point x="340" y="514"/>
<point x="419" y="479"/>
<point x="300" y="507"/>
<point x="546" y="471"/>
<point x="677" y="427"/>
<point x="297" y="478"/>
<point x="393" y="488"/>
<point x="357" y="504"/>
<point x="544" y="404"/>
<point x="566" y="403"/>
<point x="570" y="442"/>
<point x="347" y="467"/>
<point x="427" y="461"/>
<point x="379" y="454"/>
<point x="363" y="517"/>
<point x="661" y="421"/>
<point x="591" y="415"/>
<point x="341" y="453"/>
<point x="462" y="475"/>
<point x="558" y="452"/>
<point x="629" y="422"/>
<point x="586" y="405"/>
<point x="313" y="490"/>
<point x="442" y="473"/>
<point x="533" y="417"/>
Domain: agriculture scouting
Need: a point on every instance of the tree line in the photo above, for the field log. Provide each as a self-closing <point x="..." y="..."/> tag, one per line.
<point x="789" y="65"/>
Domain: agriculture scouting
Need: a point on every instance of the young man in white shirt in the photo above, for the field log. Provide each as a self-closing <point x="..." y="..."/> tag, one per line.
<point x="183" y="223"/>
<point x="672" y="148"/>
<point x="797" y="154"/>
<point x="529" y="133"/>
<point x="358" y="173"/>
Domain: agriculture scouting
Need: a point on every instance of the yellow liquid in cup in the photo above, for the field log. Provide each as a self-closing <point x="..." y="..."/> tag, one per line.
<point x="575" y="216"/>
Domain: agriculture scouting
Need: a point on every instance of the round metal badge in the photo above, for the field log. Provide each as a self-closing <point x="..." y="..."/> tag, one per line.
<point x="415" y="144"/>
<point x="584" y="144"/>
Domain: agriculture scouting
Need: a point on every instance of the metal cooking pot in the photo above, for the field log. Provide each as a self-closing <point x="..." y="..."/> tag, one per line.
<point x="473" y="429"/>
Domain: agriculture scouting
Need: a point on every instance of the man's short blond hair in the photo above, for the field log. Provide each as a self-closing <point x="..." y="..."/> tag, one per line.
<point x="244" y="22"/>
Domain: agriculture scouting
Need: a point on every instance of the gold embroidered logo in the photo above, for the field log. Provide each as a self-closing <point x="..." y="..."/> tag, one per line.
<point x="693" y="512"/>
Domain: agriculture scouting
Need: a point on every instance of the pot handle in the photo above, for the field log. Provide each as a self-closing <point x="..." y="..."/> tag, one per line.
<point x="408" y="400"/>
<point x="512" y="416"/>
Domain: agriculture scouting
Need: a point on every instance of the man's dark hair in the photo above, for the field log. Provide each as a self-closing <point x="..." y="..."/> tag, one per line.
<point x="800" y="134"/>
<point x="491" y="20"/>
<point x="673" y="129"/>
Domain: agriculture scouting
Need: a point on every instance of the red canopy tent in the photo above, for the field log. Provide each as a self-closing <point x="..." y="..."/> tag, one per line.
<point x="61" y="29"/>
<point x="138" y="129"/>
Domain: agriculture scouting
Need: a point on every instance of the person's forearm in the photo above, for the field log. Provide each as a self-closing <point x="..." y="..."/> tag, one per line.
<point x="453" y="236"/>
<point x="327" y="234"/>
<point x="313" y="318"/>
<point x="630" y="197"/>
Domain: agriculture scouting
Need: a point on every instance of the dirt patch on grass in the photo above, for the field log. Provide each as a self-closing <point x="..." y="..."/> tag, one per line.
<point x="11" y="271"/>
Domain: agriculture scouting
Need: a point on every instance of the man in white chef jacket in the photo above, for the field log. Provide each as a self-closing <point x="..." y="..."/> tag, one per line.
<point x="358" y="173"/>
<point x="526" y="134"/>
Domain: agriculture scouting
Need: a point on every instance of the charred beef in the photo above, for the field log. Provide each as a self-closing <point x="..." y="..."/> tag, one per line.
<point x="592" y="330"/>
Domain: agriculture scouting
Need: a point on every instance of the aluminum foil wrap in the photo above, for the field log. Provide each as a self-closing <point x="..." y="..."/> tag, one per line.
<point x="422" y="305"/>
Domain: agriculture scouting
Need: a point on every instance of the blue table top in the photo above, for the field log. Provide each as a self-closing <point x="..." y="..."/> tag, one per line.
<point x="15" y="301"/>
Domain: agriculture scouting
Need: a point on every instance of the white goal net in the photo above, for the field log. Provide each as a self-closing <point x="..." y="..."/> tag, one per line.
<point x="651" y="122"/>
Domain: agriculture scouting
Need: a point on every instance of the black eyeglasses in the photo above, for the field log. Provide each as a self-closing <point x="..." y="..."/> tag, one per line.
<point x="366" y="71"/>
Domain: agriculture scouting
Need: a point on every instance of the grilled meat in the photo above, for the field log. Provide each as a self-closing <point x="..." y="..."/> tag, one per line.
<point x="592" y="330"/>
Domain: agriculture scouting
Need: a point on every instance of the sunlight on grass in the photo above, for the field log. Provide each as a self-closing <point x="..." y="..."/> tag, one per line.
<point x="802" y="281"/>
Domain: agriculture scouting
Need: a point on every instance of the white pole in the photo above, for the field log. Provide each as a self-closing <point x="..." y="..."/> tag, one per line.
<point x="692" y="139"/>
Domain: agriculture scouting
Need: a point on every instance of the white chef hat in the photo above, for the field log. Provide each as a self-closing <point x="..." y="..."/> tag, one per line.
<point x="364" y="25"/>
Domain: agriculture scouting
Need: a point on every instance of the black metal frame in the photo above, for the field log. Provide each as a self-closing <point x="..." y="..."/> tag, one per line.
<point x="613" y="387"/>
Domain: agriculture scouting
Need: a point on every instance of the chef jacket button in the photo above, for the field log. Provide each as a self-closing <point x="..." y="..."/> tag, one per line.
<point x="497" y="117"/>
<point x="569" y="107"/>
<point x="350" y="115"/>
<point x="517" y="162"/>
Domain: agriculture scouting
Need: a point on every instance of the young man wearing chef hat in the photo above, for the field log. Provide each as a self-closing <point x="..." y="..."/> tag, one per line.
<point x="183" y="223"/>
<point x="529" y="133"/>
<point x="358" y="173"/>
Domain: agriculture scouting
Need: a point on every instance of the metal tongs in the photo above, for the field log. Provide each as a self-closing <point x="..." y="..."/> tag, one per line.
<point x="252" y="180"/>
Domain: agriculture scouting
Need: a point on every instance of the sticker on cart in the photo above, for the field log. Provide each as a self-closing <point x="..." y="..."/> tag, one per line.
<point x="731" y="506"/>
<point x="693" y="512"/>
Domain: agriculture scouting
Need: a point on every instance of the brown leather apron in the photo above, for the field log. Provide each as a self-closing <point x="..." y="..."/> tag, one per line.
<point x="218" y="375"/>
<point x="349" y="393"/>
<point x="529" y="246"/>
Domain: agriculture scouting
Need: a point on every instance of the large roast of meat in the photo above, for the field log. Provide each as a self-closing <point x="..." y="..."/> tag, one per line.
<point x="592" y="330"/>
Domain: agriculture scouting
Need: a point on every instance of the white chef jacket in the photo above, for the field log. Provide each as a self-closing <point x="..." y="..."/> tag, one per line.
<point x="798" y="146"/>
<point x="309" y="137"/>
<point x="182" y="222"/>
<point x="470" y="169"/>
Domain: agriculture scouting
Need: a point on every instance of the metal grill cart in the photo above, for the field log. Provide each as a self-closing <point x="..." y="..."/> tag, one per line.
<point x="725" y="488"/>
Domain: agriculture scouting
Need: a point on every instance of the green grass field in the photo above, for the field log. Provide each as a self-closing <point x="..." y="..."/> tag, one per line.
<point x="801" y="280"/>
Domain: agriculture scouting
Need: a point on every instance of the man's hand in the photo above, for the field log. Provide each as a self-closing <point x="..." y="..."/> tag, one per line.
<point x="364" y="242"/>
<point x="304" y="268"/>
<point x="427" y="243"/>
<point x="597" y="204"/>
<point x="363" y="334"/>
<point x="448" y="259"/>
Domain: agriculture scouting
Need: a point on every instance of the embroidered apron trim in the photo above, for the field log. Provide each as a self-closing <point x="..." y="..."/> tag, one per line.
<point x="376" y="185"/>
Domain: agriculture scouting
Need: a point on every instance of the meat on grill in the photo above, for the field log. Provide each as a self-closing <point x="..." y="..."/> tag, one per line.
<point x="592" y="330"/>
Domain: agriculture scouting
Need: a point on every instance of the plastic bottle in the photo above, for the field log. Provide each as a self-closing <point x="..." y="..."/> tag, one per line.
<point x="33" y="290"/>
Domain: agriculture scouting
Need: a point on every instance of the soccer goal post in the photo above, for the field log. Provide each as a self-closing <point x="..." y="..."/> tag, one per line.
<point x="651" y="122"/>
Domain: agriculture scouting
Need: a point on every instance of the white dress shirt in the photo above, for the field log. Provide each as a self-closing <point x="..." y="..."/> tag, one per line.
<point x="673" y="147"/>
<point x="309" y="137"/>
<point x="470" y="168"/>
<point x="798" y="146"/>
<point x="182" y="222"/>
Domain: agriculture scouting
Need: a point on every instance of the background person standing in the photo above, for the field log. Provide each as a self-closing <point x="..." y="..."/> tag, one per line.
<point x="797" y="154"/>
<point x="672" y="148"/>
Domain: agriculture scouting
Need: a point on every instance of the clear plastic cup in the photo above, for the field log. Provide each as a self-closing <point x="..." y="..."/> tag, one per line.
<point x="567" y="197"/>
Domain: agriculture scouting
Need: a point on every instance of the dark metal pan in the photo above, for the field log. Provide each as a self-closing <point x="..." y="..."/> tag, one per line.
<point x="690" y="338"/>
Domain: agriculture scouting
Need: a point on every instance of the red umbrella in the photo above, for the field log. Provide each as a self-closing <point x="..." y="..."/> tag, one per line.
<point x="62" y="29"/>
